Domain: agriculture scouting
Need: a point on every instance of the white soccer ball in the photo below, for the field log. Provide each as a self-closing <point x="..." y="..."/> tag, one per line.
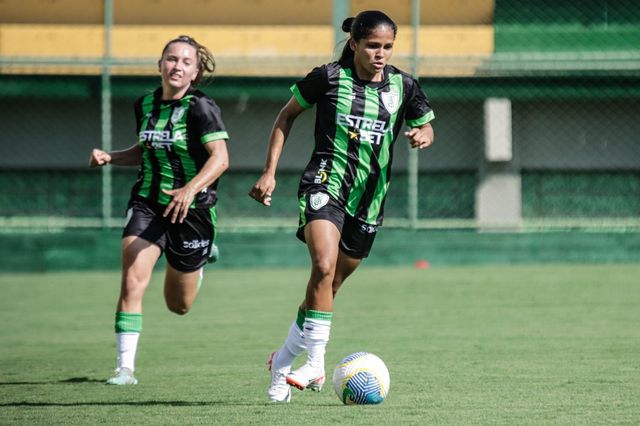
<point x="361" y="378"/>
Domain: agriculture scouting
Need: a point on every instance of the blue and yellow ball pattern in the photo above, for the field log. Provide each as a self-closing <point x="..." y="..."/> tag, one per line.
<point x="361" y="378"/>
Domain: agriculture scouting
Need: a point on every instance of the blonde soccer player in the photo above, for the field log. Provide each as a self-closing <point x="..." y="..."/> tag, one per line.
<point x="181" y="152"/>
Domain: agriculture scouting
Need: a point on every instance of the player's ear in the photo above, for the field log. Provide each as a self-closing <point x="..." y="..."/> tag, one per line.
<point x="352" y="44"/>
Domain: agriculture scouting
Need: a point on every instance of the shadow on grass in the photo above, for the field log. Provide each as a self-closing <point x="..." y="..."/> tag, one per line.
<point x="76" y="380"/>
<point x="126" y="403"/>
<point x="70" y="380"/>
<point x="154" y="403"/>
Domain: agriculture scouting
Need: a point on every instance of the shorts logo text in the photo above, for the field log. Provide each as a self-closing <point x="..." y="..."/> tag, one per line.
<point x="369" y="229"/>
<point x="195" y="244"/>
<point x="321" y="175"/>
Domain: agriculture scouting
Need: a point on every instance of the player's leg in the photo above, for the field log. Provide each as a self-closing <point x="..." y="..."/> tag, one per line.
<point x="356" y="241"/>
<point x="138" y="258"/>
<point x="189" y="246"/>
<point x="181" y="289"/>
<point x="280" y="361"/>
<point x="345" y="266"/>
<point x="322" y="237"/>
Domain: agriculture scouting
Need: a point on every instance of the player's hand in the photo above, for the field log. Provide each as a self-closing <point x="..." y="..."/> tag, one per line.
<point x="262" y="190"/>
<point x="178" y="207"/>
<point x="99" y="158"/>
<point x="420" y="137"/>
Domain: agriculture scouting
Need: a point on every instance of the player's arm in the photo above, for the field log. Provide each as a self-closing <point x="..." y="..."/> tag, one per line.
<point x="181" y="198"/>
<point x="266" y="184"/>
<point x="420" y="137"/>
<point x="126" y="157"/>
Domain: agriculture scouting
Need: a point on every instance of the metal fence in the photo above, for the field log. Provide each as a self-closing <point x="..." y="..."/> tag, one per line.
<point x="541" y="132"/>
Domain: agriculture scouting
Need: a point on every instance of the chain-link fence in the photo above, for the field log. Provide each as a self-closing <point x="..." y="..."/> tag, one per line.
<point x="540" y="130"/>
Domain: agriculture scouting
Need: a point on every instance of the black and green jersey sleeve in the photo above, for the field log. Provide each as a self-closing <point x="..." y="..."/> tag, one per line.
<point x="357" y="123"/>
<point x="419" y="110"/>
<point x="206" y="120"/>
<point x="172" y="135"/>
<point x="309" y="90"/>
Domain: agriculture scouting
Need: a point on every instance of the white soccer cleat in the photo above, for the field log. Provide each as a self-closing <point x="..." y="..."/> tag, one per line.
<point x="307" y="377"/>
<point x="124" y="376"/>
<point x="279" y="390"/>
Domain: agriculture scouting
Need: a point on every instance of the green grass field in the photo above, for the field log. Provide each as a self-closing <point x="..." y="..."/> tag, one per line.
<point x="464" y="345"/>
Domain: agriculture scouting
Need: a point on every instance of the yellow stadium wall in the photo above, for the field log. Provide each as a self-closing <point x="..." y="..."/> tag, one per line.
<point x="281" y="37"/>
<point x="238" y="12"/>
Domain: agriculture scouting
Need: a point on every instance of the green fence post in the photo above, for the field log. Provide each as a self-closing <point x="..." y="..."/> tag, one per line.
<point x="106" y="111"/>
<point x="341" y="10"/>
<point x="412" y="161"/>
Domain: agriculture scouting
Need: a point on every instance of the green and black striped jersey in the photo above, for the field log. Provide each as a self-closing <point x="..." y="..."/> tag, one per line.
<point x="172" y="135"/>
<point x="357" y="123"/>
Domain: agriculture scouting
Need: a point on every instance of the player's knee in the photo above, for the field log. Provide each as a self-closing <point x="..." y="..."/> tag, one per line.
<point x="133" y="288"/>
<point x="323" y="269"/>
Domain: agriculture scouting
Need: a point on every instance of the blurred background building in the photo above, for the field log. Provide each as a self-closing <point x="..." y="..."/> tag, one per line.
<point x="536" y="106"/>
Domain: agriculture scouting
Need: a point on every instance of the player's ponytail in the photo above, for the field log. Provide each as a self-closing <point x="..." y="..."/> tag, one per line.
<point x="347" y="53"/>
<point x="347" y="24"/>
<point x="361" y="26"/>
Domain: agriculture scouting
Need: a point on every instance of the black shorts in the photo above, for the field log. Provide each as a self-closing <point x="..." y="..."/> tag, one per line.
<point x="356" y="236"/>
<point x="187" y="245"/>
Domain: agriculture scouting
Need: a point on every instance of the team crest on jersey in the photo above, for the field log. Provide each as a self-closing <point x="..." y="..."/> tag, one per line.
<point x="177" y="114"/>
<point x="391" y="100"/>
<point x="318" y="200"/>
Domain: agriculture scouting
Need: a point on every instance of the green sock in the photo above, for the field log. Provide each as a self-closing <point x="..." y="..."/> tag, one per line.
<point x="320" y="315"/>
<point x="128" y="323"/>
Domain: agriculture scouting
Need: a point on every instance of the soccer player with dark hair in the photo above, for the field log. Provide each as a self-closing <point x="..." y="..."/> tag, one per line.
<point x="361" y="105"/>
<point x="181" y="152"/>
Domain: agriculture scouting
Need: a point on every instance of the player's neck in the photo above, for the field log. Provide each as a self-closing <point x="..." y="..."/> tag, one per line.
<point x="364" y="75"/>
<point x="170" y="93"/>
